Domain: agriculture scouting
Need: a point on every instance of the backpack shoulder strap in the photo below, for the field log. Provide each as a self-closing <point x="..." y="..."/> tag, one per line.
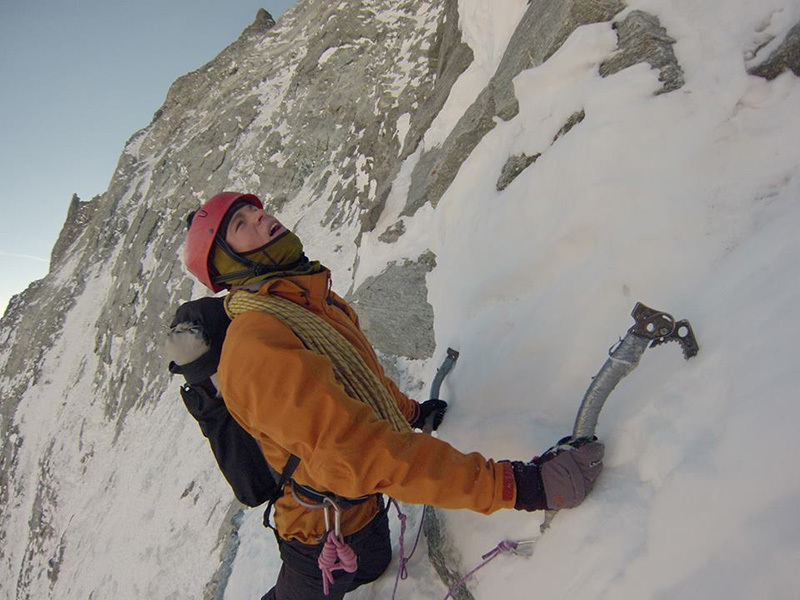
<point x="288" y="470"/>
<point x="286" y="475"/>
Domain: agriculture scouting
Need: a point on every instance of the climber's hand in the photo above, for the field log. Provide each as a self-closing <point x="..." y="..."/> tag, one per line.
<point x="569" y="471"/>
<point x="434" y="407"/>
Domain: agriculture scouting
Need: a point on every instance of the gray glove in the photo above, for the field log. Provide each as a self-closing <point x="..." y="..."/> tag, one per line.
<point x="569" y="471"/>
<point x="185" y="343"/>
<point x="194" y="341"/>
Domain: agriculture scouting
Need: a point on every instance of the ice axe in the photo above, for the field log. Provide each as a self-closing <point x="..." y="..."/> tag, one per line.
<point x="438" y="547"/>
<point x="441" y="373"/>
<point x="651" y="328"/>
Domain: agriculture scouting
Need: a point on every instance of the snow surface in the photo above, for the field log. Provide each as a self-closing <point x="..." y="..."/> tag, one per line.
<point x="686" y="201"/>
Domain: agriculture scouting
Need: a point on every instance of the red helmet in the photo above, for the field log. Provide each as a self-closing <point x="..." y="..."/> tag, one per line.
<point x="203" y="230"/>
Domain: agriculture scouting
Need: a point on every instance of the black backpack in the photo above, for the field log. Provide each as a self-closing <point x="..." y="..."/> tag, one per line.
<point x="194" y="344"/>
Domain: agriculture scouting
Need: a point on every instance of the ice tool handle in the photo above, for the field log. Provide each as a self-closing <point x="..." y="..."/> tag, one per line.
<point x="651" y="327"/>
<point x="441" y="373"/>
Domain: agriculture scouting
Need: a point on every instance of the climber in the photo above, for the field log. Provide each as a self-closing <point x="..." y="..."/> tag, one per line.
<point x="298" y="374"/>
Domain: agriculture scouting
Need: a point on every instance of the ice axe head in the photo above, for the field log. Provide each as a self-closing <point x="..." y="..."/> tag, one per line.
<point x="661" y="327"/>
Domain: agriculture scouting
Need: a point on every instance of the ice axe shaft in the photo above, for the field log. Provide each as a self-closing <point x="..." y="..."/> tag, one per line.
<point x="621" y="360"/>
<point x="441" y="373"/>
<point x="651" y="328"/>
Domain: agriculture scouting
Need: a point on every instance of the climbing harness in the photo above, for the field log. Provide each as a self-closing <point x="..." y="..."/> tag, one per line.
<point x="359" y="382"/>
<point x="280" y="481"/>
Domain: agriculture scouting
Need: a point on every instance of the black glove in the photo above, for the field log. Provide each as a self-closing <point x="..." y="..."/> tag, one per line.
<point x="530" y="489"/>
<point x="434" y="407"/>
<point x="561" y="478"/>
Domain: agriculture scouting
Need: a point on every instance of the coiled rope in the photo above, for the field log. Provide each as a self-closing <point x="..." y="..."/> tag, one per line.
<point x="319" y="336"/>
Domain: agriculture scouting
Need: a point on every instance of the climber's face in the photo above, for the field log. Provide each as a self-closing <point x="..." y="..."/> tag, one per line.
<point x="250" y="228"/>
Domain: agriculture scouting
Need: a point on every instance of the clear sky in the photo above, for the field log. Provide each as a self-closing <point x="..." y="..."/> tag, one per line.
<point x="77" y="79"/>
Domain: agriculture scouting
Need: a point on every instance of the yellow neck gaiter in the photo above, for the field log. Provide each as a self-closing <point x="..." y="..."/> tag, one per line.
<point x="282" y="257"/>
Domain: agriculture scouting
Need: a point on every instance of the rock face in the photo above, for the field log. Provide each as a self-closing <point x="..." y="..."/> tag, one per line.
<point x="643" y="39"/>
<point x="543" y="29"/>
<point x="513" y="167"/>
<point x="396" y="315"/>
<point x="443" y="556"/>
<point x="786" y="57"/>
<point x="78" y="216"/>
<point x="317" y="114"/>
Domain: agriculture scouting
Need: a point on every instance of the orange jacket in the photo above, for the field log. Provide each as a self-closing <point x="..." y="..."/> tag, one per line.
<point x="288" y="399"/>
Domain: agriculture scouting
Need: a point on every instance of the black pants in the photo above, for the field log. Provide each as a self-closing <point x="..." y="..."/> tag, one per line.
<point x="301" y="579"/>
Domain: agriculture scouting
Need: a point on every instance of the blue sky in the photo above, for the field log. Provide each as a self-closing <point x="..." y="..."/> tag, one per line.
<point x="79" y="77"/>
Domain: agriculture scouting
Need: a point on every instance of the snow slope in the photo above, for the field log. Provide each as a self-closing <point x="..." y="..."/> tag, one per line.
<point x="686" y="201"/>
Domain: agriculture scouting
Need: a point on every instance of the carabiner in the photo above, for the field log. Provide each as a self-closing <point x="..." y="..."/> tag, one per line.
<point x="337" y="513"/>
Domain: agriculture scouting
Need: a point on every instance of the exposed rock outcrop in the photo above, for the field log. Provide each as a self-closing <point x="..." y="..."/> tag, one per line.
<point x="785" y="58"/>
<point x="303" y="112"/>
<point x="395" y="316"/>
<point x="79" y="214"/>
<point x="513" y="167"/>
<point x="543" y="28"/>
<point x="643" y="39"/>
